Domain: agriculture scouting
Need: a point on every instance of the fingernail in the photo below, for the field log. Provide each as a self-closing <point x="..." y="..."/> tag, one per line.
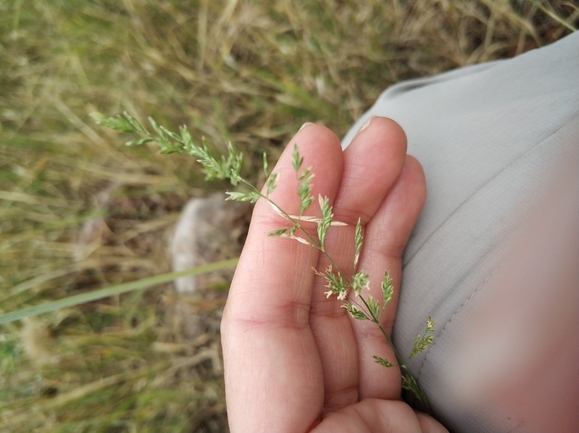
<point x="304" y="125"/>
<point x="364" y="126"/>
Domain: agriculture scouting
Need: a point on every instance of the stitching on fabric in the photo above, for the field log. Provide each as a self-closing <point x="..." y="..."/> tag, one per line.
<point x="521" y="159"/>
<point x="453" y="316"/>
<point x="517" y="161"/>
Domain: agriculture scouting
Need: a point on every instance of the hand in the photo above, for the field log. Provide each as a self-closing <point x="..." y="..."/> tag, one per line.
<point x="295" y="361"/>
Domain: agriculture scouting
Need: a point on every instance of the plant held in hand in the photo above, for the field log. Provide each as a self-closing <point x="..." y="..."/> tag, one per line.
<point x="348" y="288"/>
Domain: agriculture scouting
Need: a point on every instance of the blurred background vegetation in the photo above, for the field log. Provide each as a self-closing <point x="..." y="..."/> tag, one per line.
<point x="79" y="211"/>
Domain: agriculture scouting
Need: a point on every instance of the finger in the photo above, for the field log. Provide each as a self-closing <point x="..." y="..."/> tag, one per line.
<point x="429" y="424"/>
<point x="386" y="236"/>
<point x="272" y="368"/>
<point x="374" y="415"/>
<point x="371" y="165"/>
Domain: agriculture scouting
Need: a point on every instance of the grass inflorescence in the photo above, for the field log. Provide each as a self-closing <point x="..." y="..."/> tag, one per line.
<point x="79" y="213"/>
<point x="351" y="287"/>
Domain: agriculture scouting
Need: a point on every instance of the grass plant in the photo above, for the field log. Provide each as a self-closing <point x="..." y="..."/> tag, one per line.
<point x="80" y="213"/>
<point x="346" y="287"/>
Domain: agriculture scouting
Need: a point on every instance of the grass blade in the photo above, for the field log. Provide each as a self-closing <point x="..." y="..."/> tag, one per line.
<point x="118" y="289"/>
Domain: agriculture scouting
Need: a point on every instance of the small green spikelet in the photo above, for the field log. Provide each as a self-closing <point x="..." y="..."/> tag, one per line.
<point x="326" y="221"/>
<point x="277" y="233"/>
<point x="422" y="342"/>
<point x="354" y="311"/>
<point x="297" y="160"/>
<point x="360" y="281"/>
<point x="387" y="289"/>
<point x="242" y="196"/>
<point x="382" y="361"/>
<point x="373" y="308"/>
<point x="358" y="240"/>
<point x="335" y="282"/>
<point x="265" y="165"/>
<point x="120" y="122"/>
<point x="271" y="183"/>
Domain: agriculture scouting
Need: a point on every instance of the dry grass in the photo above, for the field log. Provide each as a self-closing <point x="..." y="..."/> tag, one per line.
<point x="78" y="211"/>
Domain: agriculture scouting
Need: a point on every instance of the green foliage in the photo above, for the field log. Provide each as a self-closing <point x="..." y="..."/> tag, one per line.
<point x="83" y="298"/>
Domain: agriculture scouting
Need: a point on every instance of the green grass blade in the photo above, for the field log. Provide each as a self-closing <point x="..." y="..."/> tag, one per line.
<point x="118" y="289"/>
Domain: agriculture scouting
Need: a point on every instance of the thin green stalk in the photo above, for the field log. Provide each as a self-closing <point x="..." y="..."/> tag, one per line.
<point x="118" y="289"/>
<point x="388" y="339"/>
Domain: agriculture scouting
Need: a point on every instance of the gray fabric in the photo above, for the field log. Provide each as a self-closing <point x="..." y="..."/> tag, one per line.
<point x="490" y="137"/>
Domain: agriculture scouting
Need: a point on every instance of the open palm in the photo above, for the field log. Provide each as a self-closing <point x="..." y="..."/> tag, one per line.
<point x="295" y="361"/>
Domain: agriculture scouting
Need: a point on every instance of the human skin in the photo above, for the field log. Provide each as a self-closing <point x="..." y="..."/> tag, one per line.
<point x="295" y="361"/>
